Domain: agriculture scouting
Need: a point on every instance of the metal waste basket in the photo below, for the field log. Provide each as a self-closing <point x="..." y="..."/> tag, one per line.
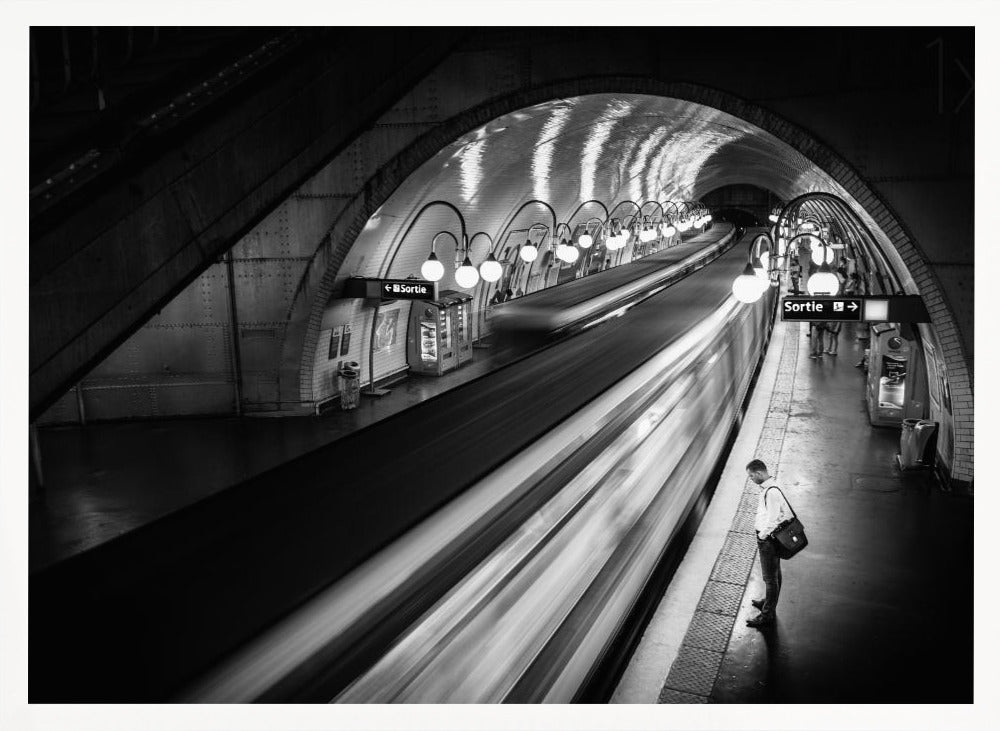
<point x="913" y="442"/>
<point x="922" y="434"/>
<point x="349" y="386"/>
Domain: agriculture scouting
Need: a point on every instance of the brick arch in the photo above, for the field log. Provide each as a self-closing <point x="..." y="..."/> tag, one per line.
<point x="318" y="283"/>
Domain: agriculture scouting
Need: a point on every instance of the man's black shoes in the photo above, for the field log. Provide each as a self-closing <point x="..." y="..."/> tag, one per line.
<point x="757" y="603"/>
<point x="761" y="621"/>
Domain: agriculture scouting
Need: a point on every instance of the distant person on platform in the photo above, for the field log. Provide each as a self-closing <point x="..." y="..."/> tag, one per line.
<point x="832" y="334"/>
<point x="795" y="275"/>
<point x="772" y="511"/>
<point x="816" y="330"/>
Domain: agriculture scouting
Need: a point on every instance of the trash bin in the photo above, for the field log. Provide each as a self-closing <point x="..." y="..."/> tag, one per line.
<point x="922" y="434"/>
<point x="350" y="388"/>
<point x="907" y="444"/>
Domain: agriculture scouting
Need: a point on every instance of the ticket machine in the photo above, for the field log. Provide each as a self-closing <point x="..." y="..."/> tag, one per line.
<point x="439" y="335"/>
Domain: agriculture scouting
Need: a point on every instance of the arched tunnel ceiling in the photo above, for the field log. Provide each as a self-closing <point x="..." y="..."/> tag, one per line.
<point x="612" y="147"/>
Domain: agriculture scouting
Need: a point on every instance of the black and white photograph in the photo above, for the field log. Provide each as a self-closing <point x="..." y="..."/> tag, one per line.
<point x="666" y="419"/>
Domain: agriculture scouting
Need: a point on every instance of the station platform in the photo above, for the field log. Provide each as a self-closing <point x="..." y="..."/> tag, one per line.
<point x="877" y="609"/>
<point x="103" y="480"/>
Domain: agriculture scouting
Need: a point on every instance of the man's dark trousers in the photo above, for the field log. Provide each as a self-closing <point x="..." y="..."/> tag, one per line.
<point x="770" y="569"/>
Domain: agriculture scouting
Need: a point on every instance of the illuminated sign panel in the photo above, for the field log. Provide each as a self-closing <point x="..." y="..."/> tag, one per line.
<point x="390" y="289"/>
<point x="821" y="309"/>
<point x="870" y="308"/>
<point x="408" y="289"/>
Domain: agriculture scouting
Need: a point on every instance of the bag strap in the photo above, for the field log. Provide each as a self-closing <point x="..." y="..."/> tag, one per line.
<point x="775" y="487"/>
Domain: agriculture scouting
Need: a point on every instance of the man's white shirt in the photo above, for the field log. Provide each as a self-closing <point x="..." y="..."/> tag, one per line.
<point x="772" y="509"/>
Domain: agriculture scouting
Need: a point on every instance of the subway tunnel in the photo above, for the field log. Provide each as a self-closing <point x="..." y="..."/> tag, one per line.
<point x="213" y="372"/>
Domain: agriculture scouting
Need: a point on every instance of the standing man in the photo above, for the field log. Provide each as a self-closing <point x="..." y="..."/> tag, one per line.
<point x="795" y="274"/>
<point x="816" y="330"/>
<point x="772" y="511"/>
<point x="832" y="334"/>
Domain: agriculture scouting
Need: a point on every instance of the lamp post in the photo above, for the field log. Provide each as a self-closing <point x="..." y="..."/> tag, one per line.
<point x="750" y="285"/>
<point x="670" y="220"/>
<point x="632" y="229"/>
<point x="565" y="250"/>
<point x="432" y="268"/>
<point x="651" y="230"/>
<point x="586" y="240"/>
<point x="490" y="270"/>
<point x="684" y="223"/>
<point x="823" y="280"/>
<point x="529" y="252"/>
<point x="620" y="233"/>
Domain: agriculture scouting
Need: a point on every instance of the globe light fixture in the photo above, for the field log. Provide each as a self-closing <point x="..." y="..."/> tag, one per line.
<point x="585" y="241"/>
<point x="432" y="270"/>
<point x="684" y="224"/>
<point x="748" y="287"/>
<point x="529" y="252"/>
<point x="818" y="252"/>
<point x="757" y="275"/>
<point x="466" y="275"/>
<point x="773" y="218"/>
<point x="823" y="281"/>
<point x="567" y="253"/>
<point x="668" y="229"/>
<point x="491" y="270"/>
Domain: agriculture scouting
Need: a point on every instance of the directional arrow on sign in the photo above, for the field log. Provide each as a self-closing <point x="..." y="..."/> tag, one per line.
<point x="853" y="306"/>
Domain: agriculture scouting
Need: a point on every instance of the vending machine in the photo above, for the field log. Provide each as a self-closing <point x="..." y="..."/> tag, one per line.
<point x="461" y="307"/>
<point x="888" y="375"/>
<point x="439" y="335"/>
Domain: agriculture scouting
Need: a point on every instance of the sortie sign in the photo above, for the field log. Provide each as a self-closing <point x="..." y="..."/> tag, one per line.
<point x="812" y="309"/>
<point x="408" y="289"/>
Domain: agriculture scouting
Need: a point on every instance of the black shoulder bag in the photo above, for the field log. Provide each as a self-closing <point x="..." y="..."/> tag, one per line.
<point x="790" y="537"/>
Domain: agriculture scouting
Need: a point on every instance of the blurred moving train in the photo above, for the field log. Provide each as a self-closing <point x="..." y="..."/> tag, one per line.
<point x="523" y="324"/>
<point x="592" y="512"/>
